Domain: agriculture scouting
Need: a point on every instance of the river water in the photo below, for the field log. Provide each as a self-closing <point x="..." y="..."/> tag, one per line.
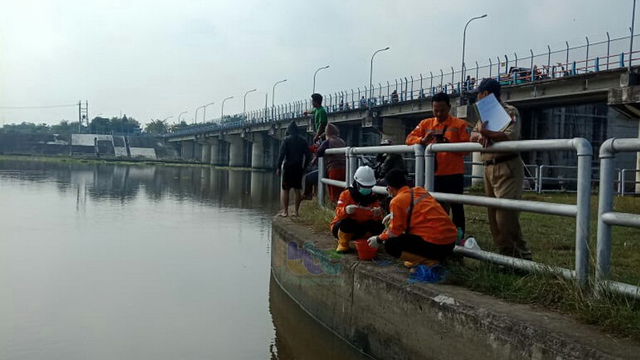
<point x="102" y="261"/>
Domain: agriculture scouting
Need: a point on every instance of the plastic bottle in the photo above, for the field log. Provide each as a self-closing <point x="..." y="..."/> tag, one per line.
<point x="471" y="244"/>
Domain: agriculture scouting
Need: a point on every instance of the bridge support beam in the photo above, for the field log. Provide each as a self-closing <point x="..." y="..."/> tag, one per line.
<point x="205" y="156"/>
<point x="258" y="151"/>
<point x="236" y="151"/>
<point x="394" y="129"/>
<point x="637" y="187"/>
<point x="186" y="152"/>
<point x="214" y="154"/>
<point x="477" y="170"/>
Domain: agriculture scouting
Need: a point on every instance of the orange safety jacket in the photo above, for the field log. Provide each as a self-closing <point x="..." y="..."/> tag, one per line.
<point x="363" y="213"/>
<point x="428" y="218"/>
<point x="454" y="130"/>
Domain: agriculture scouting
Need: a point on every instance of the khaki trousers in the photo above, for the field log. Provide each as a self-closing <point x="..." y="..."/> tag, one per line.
<point x="504" y="181"/>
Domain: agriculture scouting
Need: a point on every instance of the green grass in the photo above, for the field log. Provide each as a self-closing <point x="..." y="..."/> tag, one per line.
<point x="552" y="242"/>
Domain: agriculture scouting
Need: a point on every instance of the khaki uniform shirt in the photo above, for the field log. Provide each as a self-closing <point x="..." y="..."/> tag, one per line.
<point x="512" y="131"/>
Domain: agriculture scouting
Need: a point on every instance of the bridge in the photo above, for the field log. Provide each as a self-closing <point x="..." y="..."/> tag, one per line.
<point x="591" y="73"/>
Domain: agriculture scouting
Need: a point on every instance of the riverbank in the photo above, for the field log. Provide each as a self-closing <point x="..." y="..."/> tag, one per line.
<point x="375" y="308"/>
<point x="552" y="242"/>
<point x="119" y="161"/>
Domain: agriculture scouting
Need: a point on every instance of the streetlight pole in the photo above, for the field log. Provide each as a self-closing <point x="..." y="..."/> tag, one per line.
<point x="195" y="117"/>
<point x="273" y="92"/>
<point x="204" y="115"/>
<point x="244" y="103"/>
<point x="182" y="113"/>
<point x="464" y="43"/>
<point x="314" y="77"/>
<point x="633" y="21"/>
<point x="371" y="75"/>
<point x="222" y="110"/>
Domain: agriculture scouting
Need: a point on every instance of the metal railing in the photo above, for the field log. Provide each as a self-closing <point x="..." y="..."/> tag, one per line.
<point x="608" y="218"/>
<point x="425" y="175"/>
<point x="568" y="61"/>
<point x="351" y="155"/>
<point x="580" y="211"/>
<point x="622" y="181"/>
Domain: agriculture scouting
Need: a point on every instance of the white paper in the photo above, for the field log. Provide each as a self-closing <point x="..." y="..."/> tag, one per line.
<point x="493" y="113"/>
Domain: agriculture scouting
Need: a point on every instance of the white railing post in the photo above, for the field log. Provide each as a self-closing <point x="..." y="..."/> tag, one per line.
<point x="320" y="183"/>
<point x="419" y="165"/>
<point x="583" y="203"/>
<point x="429" y="168"/>
<point x="605" y="205"/>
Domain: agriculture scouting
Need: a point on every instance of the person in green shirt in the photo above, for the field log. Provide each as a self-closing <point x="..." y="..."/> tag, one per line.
<point x="319" y="116"/>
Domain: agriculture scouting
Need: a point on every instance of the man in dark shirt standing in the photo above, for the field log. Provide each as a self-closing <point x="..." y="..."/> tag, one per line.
<point x="294" y="157"/>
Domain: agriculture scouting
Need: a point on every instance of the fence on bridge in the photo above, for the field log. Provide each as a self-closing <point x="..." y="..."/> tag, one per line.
<point x="424" y="175"/>
<point x="568" y="61"/>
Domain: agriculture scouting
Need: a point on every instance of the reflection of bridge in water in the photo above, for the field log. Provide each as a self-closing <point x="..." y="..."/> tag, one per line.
<point x="124" y="183"/>
<point x="564" y="93"/>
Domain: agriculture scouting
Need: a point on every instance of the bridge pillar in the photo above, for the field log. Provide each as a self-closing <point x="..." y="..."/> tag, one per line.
<point x="205" y="157"/>
<point x="186" y="152"/>
<point x="214" y="154"/>
<point x="236" y="151"/>
<point x="258" y="151"/>
<point x="637" y="187"/>
<point x="394" y="129"/>
<point x="477" y="170"/>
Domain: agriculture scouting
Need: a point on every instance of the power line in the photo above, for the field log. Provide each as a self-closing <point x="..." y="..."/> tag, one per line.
<point x="36" y="107"/>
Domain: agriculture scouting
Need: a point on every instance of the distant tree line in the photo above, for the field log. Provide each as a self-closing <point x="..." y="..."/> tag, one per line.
<point x="101" y="125"/>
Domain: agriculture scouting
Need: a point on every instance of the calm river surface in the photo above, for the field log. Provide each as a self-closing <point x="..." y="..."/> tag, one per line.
<point x="144" y="262"/>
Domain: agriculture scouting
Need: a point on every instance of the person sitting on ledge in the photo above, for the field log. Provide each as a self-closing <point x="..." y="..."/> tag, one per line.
<point x="420" y="231"/>
<point x="358" y="213"/>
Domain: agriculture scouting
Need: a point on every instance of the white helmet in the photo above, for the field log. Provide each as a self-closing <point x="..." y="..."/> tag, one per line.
<point x="365" y="176"/>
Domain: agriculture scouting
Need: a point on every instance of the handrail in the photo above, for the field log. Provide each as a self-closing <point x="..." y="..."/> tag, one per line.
<point x="607" y="217"/>
<point x="583" y="150"/>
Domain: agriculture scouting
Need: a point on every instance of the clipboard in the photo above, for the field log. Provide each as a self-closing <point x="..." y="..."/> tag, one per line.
<point x="490" y="110"/>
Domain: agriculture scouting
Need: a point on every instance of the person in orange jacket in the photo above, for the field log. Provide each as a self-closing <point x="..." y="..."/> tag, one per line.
<point x="358" y="212"/>
<point x="420" y="231"/>
<point x="444" y="128"/>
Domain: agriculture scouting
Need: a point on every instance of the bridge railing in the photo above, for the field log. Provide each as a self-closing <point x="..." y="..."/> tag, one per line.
<point x="351" y="160"/>
<point x="607" y="217"/>
<point x="515" y="69"/>
<point x="425" y="174"/>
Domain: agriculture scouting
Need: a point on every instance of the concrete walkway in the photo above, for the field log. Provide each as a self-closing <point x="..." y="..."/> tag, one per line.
<point x="375" y="309"/>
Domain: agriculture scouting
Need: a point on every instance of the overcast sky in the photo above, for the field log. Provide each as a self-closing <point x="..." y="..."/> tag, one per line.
<point x="154" y="59"/>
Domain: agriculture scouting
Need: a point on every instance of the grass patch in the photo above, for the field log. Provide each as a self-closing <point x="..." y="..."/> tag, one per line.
<point x="616" y="315"/>
<point x="314" y="216"/>
<point x="552" y="242"/>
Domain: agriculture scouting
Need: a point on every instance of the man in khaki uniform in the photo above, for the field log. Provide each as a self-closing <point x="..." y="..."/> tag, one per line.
<point x="503" y="176"/>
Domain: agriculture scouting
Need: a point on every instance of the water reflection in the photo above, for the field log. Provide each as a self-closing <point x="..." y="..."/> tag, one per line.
<point x="222" y="188"/>
<point x="299" y="336"/>
<point x="108" y="261"/>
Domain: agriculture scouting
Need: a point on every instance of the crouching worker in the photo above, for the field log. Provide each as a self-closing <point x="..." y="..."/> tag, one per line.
<point x="358" y="213"/>
<point x="420" y="231"/>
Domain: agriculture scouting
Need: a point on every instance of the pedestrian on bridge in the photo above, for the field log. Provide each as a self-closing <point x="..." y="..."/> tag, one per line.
<point x="293" y="159"/>
<point x="503" y="176"/>
<point x="449" y="172"/>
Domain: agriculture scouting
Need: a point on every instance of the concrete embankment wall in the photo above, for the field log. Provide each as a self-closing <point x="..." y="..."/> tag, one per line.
<point x="375" y="309"/>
